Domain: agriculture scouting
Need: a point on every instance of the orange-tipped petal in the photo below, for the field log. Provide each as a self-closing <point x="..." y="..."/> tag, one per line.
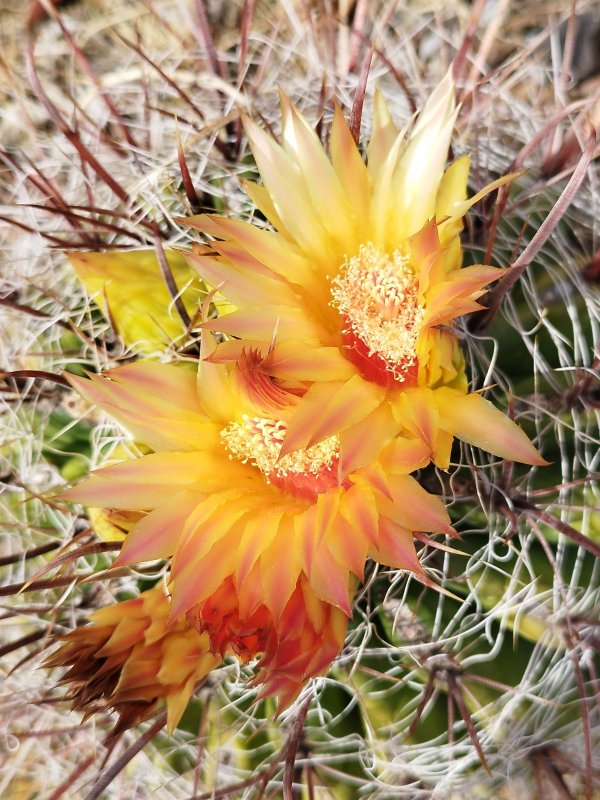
<point x="362" y="443"/>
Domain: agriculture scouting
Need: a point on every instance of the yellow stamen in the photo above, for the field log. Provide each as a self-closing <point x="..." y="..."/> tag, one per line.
<point x="258" y="440"/>
<point x="377" y="295"/>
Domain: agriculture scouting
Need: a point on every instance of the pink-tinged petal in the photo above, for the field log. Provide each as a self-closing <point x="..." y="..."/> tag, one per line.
<point x="289" y="194"/>
<point x="197" y="579"/>
<point x="396" y="547"/>
<point x="307" y="535"/>
<point x="250" y="592"/>
<point x="234" y="253"/>
<point x="330" y="581"/>
<point x="425" y="253"/>
<point x="231" y="350"/>
<point x="258" y="535"/>
<point x="327" y="507"/>
<point x="293" y="359"/>
<point x="270" y="248"/>
<point x="329" y="408"/>
<point x="374" y="477"/>
<point x="280" y="568"/>
<point x="476" y="421"/>
<point x="452" y="297"/>
<point x="100" y="493"/>
<point x="405" y="455"/>
<point x="362" y="443"/>
<point x="326" y="193"/>
<point x="348" y="545"/>
<point x="417" y="411"/>
<point x="359" y="509"/>
<point x="211" y="519"/>
<point x="239" y="286"/>
<point x="200" y="471"/>
<point x="164" y="382"/>
<point x="156" y="420"/>
<point x="414" y="508"/>
<point x="267" y="323"/>
<point x="350" y="169"/>
<point x="157" y="534"/>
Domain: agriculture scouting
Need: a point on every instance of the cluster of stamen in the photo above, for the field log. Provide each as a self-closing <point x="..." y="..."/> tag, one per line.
<point x="258" y="441"/>
<point x="377" y="295"/>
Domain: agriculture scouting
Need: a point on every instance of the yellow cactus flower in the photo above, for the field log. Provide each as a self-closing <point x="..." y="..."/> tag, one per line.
<point x="358" y="287"/>
<point x="131" y="291"/>
<point x="221" y="496"/>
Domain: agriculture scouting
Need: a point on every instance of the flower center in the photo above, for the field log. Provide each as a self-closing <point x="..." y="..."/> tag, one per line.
<point x="377" y="295"/>
<point x="305" y="473"/>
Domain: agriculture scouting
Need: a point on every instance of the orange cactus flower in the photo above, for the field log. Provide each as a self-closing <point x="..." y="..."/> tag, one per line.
<point x="221" y="497"/>
<point x="299" y="646"/>
<point x="359" y="285"/>
<point x="132" y="656"/>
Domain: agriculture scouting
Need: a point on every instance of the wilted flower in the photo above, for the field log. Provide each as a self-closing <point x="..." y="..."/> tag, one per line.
<point x="129" y="659"/>
<point x="221" y="497"/>
<point x="358" y="287"/>
<point x="133" y="656"/>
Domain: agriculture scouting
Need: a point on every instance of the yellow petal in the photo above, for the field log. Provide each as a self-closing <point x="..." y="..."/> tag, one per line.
<point x="325" y="190"/>
<point x="285" y="184"/>
<point x="476" y="421"/>
<point x="384" y="135"/>
<point x="351" y="171"/>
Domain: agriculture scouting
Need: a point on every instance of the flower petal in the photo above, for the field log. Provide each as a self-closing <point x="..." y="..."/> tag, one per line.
<point x="157" y="534"/>
<point x="476" y="421"/>
<point x="414" y="508"/>
<point x="329" y="408"/>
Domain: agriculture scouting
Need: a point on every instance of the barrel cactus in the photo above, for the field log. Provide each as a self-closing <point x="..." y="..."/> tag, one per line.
<point x="470" y="671"/>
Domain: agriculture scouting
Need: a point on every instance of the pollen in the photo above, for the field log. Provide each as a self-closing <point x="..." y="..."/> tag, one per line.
<point x="376" y="293"/>
<point x="258" y="441"/>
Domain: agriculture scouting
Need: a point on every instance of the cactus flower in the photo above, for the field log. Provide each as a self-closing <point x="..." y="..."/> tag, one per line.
<point x="359" y="286"/>
<point x="129" y="659"/>
<point x="132" y="656"/>
<point x="220" y="497"/>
